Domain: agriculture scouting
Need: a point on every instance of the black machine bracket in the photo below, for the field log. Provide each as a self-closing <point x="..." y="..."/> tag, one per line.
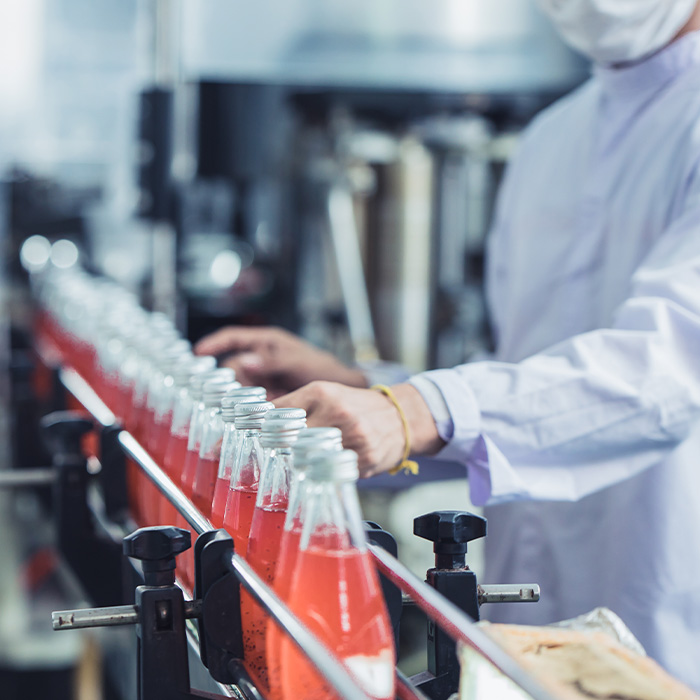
<point x="96" y="560"/>
<point x="450" y="531"/>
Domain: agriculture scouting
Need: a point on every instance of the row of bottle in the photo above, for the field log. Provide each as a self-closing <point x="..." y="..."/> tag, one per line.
<point x="286" y="493"/>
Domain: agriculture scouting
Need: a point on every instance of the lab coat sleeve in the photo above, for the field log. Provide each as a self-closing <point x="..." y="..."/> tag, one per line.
<point x="595" y="409"/>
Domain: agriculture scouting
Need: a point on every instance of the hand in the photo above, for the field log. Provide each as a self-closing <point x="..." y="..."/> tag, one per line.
<point x="370" y="423"/>
<point x="276" y="359"/>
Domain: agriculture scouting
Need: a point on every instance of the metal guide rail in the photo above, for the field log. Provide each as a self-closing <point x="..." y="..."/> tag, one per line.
<point x="448" y="616"/>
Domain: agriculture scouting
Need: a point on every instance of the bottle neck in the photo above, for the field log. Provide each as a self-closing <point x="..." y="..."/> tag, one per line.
<point x="196" y="425"/>
<point x="212" y="434"/>
<point x="330" y="516"/>
<point x="228" y="451"/>
<point x="275" y="479"/>
<point x="248" y="460"/>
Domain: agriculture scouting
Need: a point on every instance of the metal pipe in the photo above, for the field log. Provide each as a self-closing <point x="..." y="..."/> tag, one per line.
<point x="165" y="485"/>
<point x="457" y="624"/>
<point x="109" y="617"/>
<point x="19" y="478"/>
<point x="318" y="653"/>
<point x="344" y="238"/>
<point x="508" y="593"/>
<point x="86" y="395"/>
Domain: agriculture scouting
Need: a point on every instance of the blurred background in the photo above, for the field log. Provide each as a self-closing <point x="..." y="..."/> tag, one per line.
<point x="324" y="165"/>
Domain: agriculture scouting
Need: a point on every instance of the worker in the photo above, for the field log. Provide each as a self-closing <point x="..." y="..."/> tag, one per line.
<point x="581" y="435"/>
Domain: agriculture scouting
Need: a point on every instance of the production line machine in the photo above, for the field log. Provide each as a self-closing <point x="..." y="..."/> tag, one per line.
<point x="98" y="539"/>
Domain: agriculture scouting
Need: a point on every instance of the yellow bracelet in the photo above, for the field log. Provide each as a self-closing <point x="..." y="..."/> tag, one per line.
<point x="408" y="465"/>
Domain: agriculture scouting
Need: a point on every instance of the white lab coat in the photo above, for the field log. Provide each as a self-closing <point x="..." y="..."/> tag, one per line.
<point x="584" y="433"/>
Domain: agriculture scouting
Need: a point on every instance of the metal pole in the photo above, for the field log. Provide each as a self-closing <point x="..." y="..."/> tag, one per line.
<point x="87" y="396"/>
<point x="18" y="478"/>
<point x="165" y="485"/>
<point x="344" y="237"/>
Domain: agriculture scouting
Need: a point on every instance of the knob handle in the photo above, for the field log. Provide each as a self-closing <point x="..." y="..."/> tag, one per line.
<point x="450" y="531"/>
<point x="64" y="430"/>
<point x="156" y="548"/>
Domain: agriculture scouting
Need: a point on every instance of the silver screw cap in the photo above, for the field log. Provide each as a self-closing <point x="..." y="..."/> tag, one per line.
<point x="251" y="414"/>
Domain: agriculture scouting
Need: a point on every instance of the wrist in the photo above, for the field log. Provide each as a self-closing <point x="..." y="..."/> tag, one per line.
<point x="425" y="439"/>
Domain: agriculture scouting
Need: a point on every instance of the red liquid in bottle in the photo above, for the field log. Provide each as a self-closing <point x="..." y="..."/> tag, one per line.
<point x="239" y="516"/>
<point x="336" y="594"/>
<point x="262" y="555"/>
<point x="189" y="470"/>
<point x="187" y="484"/>
<point x="203" y="489"/>
<point x="289" y="551"/>
<point x="161" y="435"/>
<point x="147" y="491"/>
<point x="218" y="506"/>
<point x="173" y="464"/>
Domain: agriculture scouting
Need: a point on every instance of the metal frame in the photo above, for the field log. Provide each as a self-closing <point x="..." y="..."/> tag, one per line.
<point x="449" y="617"/>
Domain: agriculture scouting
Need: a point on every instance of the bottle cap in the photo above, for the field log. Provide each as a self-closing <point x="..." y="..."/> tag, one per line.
<point x="282" y="426"/>
<point x="215" y="389"/>
<point x="316" y="440"/>
<point x="199" y="380"/>
<point x="242" y="394"/>
<point x="191" y="366"/>
<point x="159" y="321"/>
<point x="170" y="358"/>
<point x="154" y="343"/>
<point x="251" y="414"/>
<point x="275" y="414"/>
<point x="332" y="466"/>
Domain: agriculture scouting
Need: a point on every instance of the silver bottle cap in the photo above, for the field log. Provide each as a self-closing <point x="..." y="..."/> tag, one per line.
<point x="215" y="389"/>
<point x="188" y="368"/>
<point x="199" y="380"/>
<point x="332" y="466"/>
<point x="282" y="426"/>
<point x="243" y="394"/>
<point x="250" y="415"/>
<point x="316" y="440"/>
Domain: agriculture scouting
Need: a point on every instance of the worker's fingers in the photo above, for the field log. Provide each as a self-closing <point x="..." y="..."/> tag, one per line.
<point x="234" y="339"/>
<point x="370" y="424"/>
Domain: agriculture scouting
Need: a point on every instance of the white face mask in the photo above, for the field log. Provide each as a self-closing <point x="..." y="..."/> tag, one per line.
<point x="618" y="31"/>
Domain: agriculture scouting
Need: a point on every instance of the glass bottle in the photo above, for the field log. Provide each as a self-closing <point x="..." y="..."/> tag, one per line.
<point x="179" y="406"/>
<point x="280" y="430"/>
<point x="228" y="447"/>
<point x="161" y="359"/>
<point x="335" y="588"/>
<point x="196" y="424"/>
<point x="162" y="350"/>
<point x="246" y="472"/>
<point x="136" y="416"/>
<point x="210" y="446"/>
<point x="175" y="392"/>
<point x="194" y="441"/>
<point x="154" y="437"/>
<point x="308" y="441"/>
<point x="160" y="380"/>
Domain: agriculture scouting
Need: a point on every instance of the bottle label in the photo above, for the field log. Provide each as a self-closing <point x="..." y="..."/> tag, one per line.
<point x="374" y="674"/>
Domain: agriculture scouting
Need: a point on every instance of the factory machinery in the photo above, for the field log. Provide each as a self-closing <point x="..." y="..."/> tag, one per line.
<point x="129" y="574"/>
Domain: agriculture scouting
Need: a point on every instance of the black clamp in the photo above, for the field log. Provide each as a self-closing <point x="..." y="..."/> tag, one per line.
<point x="161" y="638"/>
<point x="450" y="531"/>
<point x="160" y="612"/>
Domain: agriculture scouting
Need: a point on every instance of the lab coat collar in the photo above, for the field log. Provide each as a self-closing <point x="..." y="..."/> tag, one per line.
<point x="653" y="73"/>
